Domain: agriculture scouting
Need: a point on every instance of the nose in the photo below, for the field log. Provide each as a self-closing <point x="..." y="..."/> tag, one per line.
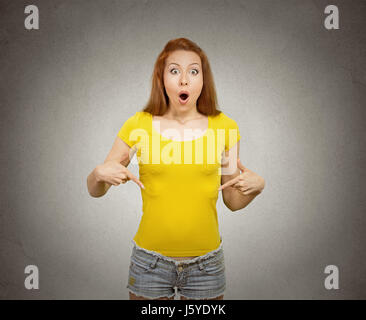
<point x="183" y="80"/>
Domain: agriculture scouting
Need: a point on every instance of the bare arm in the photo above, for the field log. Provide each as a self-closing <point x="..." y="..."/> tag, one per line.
<point x="120" y="152"/>
<point x="96" y="188"/>
<point x="232" y="198"/>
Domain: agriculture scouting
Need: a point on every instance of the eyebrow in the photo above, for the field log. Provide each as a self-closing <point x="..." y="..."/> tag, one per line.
<point x="178" y="64"/>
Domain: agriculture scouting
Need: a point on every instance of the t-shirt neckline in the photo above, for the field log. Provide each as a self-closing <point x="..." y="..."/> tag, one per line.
<point x="180" y="141"/>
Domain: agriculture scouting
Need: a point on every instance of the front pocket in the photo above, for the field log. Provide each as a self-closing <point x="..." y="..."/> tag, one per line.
<point x="140" y="267"/>
<point x="214" y="267"/>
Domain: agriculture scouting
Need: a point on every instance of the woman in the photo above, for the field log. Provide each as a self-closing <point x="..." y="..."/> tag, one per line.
<point x="186" y="148"/>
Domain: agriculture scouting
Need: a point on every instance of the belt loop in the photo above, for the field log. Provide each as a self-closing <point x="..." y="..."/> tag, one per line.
<point x="153" y="264"/>
<point x="200" y="265"/>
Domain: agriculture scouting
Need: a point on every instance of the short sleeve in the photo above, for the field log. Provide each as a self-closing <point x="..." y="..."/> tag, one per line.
<point x="232" y="133"/>
<point x="125" y="131"/>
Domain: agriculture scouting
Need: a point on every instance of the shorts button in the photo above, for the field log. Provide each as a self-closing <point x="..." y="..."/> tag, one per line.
<point x="180" y="268"/>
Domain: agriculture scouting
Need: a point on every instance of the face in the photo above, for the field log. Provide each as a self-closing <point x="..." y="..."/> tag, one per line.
<point x="183" y="72"/>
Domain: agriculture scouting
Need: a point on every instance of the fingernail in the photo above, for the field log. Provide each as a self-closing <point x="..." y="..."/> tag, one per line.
<point x="143" y="186"/>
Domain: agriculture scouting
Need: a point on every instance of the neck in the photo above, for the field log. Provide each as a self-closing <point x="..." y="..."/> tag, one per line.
<point x="182" y="115"/>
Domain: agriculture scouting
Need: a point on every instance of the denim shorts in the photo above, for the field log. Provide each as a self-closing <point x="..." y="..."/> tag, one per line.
<point x="153" y="275"/>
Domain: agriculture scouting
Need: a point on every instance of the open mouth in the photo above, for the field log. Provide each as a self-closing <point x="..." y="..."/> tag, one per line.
<point x="183" y="96"/>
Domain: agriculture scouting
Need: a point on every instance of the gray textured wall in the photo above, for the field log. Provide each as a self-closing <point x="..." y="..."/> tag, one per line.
<point x="296" y="90"/>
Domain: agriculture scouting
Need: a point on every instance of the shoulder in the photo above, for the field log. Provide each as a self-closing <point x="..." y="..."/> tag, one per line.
<point x="140" y="115"/>
<point x="232" y="134"/>
<point x="225" y="121"/>
<point x="139" y="118"/>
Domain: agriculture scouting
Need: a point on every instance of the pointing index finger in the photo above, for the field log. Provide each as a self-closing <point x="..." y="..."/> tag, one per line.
<point x="133" y="178"/>
<point x="229" y="183"/>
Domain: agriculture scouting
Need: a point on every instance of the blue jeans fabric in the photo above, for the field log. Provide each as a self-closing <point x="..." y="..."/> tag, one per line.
<point x="153" y="275"/>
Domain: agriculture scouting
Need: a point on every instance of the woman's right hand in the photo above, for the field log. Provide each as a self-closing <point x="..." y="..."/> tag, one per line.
<point x="113" y="172"/>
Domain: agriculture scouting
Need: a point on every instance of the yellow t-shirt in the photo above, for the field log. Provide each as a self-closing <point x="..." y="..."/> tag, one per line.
<point x="181" y="179"/>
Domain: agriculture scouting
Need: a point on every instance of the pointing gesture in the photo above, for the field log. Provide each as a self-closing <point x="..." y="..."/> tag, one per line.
<point x="115" y="173"/>
<point x="130" y="176"/>
<point x="247" y="182"/>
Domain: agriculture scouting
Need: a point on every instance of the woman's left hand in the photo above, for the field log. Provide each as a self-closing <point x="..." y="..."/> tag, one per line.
<point x="247" y="182"/>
